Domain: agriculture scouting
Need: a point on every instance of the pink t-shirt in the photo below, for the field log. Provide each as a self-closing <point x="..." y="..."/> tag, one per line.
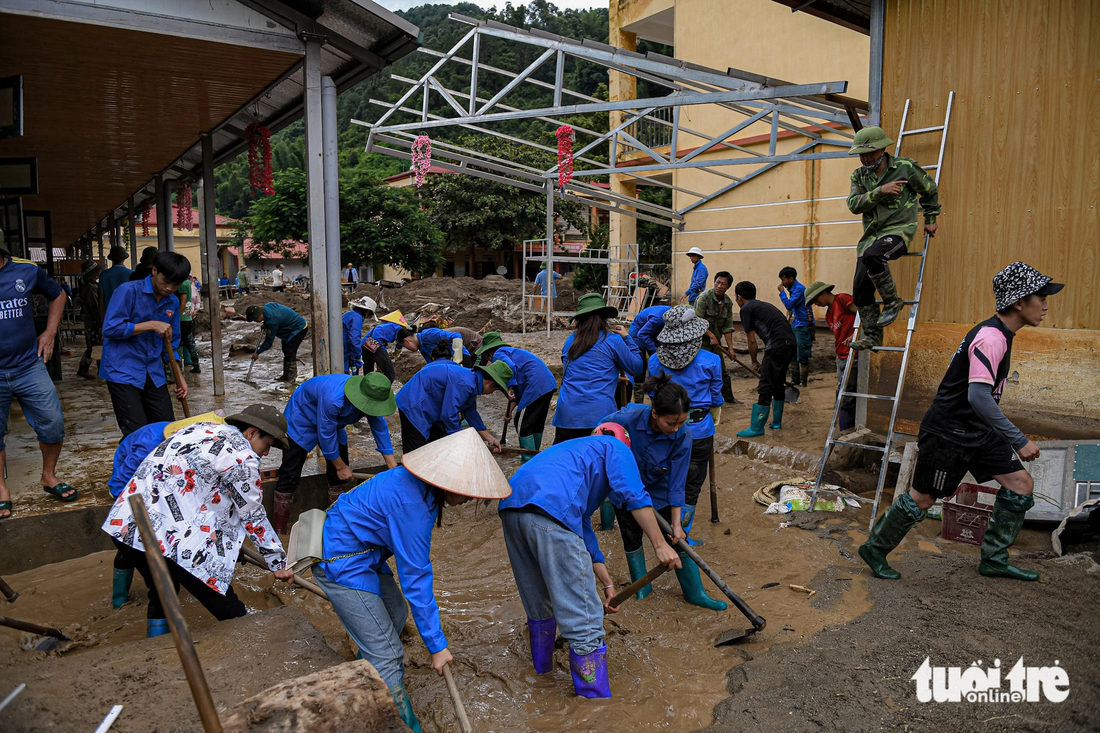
<point x="986" y="352"/>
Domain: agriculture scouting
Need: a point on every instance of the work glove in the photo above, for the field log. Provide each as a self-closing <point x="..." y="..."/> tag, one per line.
<point x="456" y="347"/>
<point x="716" y="414"/>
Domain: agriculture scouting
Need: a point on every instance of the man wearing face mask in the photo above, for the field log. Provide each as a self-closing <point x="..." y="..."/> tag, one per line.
<point x="885" y="190"/>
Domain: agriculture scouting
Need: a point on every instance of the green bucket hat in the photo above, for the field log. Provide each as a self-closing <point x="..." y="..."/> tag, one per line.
<point x="499" y="372"/>
<point x="868" y="140"/>
<point x="491" y="340"/>
<point x="371" y="394"/>
<point x="593" y="303"/>
<point x="815" y="289"/>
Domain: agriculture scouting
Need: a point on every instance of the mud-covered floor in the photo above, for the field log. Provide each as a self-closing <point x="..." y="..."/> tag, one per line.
<point x="839" y="660"/>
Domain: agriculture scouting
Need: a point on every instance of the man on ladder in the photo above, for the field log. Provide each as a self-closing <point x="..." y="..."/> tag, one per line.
<point x="885" y="190"/>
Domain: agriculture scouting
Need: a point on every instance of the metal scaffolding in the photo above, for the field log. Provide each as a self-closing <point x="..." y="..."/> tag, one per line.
<point x="646" y="136"/>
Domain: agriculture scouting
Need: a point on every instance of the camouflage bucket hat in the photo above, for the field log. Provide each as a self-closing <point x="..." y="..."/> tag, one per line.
<point x="868" y="140"/>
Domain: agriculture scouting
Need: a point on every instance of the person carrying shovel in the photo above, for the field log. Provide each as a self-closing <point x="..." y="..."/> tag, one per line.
<point x="284" y="323"/>
<point x="441" y="395"/>
<point x="318" y="414"/>
<point x="758" y="317"/>
<point x="531" y="388"/>
<point x="554" y="553"/>
<point x="393" y="515"/>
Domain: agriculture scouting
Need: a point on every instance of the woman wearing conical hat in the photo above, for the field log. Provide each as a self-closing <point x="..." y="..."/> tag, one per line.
<point x="393" y="515"/>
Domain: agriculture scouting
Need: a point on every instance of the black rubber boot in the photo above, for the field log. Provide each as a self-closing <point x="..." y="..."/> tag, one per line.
<point x="889" y="531"/>
<point x="1004" y="527"/>
<point x="869" y="328"/>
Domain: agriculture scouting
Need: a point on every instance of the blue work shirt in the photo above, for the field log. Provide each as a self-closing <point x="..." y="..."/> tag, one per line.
<point x="282" y="322"/>
<point x="385" y="333"/>
<point x="442" y="392"/>
<point x="318" y="412"/>
<point x="110" y="279"/>
<point x="588" y="384"/>
<point x="129" y="358"/>
<point x="796" y="303"/>
<point x="430" y="337"/>
<point x="395" y="512"/>
<point x="698" y="281"/>
<point x="570" y="480"/>
<point x="19" y="280"/>
<point x="540" y="282"/>
<point x="353" y="338"/>
<point x="662" y="459"/>
<point x="702" y="379"/>
<point x="134" y="449"/>
<point x="646" y="325"/>
<point x="531" y="378"/>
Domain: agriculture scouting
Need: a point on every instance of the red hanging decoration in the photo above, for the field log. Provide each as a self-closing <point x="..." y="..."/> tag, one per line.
<point x="185" y="215"/>
<point x="145" y="218"/>
<point x="260" y="177"/>
<point x="421" y="158"/>
<point x="565" y="155"/>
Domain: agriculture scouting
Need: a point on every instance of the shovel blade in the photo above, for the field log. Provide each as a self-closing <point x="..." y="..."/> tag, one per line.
<point x="791" y="394"/>
<point x="733" y="635"/>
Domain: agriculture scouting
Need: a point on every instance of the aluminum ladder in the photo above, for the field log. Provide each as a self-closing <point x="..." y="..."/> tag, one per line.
<point x="914" y="304"/>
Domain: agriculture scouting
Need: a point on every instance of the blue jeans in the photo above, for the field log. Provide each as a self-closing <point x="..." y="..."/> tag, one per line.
<point x="38" y="397"/>
<point x="373" y="621"/>
<point x="804" y="335"/>
<point x="553" y="573"/>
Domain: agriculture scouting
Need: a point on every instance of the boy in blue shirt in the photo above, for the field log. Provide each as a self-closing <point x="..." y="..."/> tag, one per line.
<point x="802" y="321"/>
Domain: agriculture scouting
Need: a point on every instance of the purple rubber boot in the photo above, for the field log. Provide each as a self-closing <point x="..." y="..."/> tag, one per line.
<point x="590" y="673"/>
<point x="543" y="633"/>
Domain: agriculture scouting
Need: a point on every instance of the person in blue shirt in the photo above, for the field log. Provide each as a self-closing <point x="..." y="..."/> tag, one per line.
<point x="435" y="401"/>
<point x="592" y="359"/>
<point x="698" y="276"/>
<point x="141" y="313"/>
<point x="554" y="554"/>
<point x="393" y="515"/>
<point x="377" y="342"/>
<point x="531" y="388"/>
<point x="802" y="321"/>
<point x="284" y="323"/>
<point x="111" y="278"/>
<point x="131" y="451"/>
<point x="432" y="343"/>
<point x="23" y="374"/>
<point x="542" y="277"/>
<point x="318" y="414"/>
<point x="644" y="329"/>
<point x="353" y="334"/>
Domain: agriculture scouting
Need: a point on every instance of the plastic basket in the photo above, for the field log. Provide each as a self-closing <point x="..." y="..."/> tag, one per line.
<point x="966" y="514"/>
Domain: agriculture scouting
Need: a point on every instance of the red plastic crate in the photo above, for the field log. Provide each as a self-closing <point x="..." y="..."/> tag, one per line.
<point x="966" y="514"/>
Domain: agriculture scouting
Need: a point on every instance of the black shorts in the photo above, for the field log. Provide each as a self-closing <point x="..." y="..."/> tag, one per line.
<point x="942" y="463"/>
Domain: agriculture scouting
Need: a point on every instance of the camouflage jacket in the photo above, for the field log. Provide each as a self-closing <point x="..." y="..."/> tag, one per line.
<point x="884" y="215"/>
<point x="718" y="313"/>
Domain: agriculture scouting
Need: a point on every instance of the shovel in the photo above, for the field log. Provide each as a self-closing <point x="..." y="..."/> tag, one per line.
<point x="790" y="393"/>
<point x="627" y="593"/>
<point x="9" y="594"/>
<point x="726" y="637"/>
<point x="177" y="374"/>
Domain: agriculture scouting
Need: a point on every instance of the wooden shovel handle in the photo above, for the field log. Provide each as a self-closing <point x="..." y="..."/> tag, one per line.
<point x="12" y="623"/>
<point x="176" y="373"/>
<point x="637" y="585"/>
<point x="258" y="560"/>
<point x="460" y="710"/>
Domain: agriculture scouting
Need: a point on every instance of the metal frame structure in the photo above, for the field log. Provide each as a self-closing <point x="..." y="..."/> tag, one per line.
<point x="818" y="116"/>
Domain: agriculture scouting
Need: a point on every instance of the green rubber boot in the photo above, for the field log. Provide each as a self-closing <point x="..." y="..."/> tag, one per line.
<point x="120" y="590"/>
<point x="528" y="442"/>
<point x="759" y="417"/>
<point x="889" y="531"/>
<point x="405" y="708"/>
<point x="891" y="303"/>
<point x="537" y="437"/>
<point x="692" y="585"/>
<point x="636" y="562"/>
<point x="607" y="516"/>
<point x="777" y="414"/>
<point x="870" y="328"/>
<point x="1004" y="527"/>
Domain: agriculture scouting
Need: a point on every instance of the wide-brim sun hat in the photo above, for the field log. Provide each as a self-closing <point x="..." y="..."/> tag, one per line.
<point x="264" y="417"/>
<point x="815" y="289"/>
<point x="209" y="417"/>
<point x="682" y="326"/>
<point x="499" y="372"/>
<point x="364" y="303"/>
<point x="678" y="356"/>
<point x="1019" y="280"/>
<point x="372" y="394"/>
<point x="491" y="340"/>
<point x="695" y="251"/>
<point x="253" y="313"/>
<point x="593" y="303"/>
<point x="461" y="464"/>
<point x="395" y="317"/>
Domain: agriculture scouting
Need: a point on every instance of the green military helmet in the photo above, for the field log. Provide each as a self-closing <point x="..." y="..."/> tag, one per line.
<point x="868" y="140"/>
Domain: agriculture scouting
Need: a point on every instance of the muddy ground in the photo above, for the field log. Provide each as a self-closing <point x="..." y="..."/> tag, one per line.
<point x="839" y="660"/>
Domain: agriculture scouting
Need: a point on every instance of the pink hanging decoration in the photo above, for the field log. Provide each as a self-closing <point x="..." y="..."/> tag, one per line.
<point x="260" y="176"/>
<point x="421" y="158"/>
<point x="565" y="155"/>
<point x="185" y="215"/>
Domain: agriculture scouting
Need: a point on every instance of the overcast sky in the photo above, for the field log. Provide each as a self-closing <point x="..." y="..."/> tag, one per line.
<point x="406" y="4"/>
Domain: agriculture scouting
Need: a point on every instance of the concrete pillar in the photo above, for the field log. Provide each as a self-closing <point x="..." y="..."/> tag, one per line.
<point x="99" y="238"/>
<point x="208" y="245"/>
<point x="131" y="220"/>
<point x="315" y="209"/>
<point x="549" y="252"/>
<point x="164" y="213"/>
<point x="332" y="224"/>
<point x="623" y="228"/>
<point x="169" y="220"/>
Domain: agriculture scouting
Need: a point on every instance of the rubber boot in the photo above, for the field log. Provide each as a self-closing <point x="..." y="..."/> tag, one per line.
<point x="285" y="376"/>
<point x="803" y="375"/>
<point x="282" y="511"/>
<point x="1004" y="527"/>
<point x="292" y="371"/>
<point x="405" y="708"/>
<point x="607" y="516"/>
<point x="891" y="303"/>
<point x="589" y="672"/>
<point x="870" y="327"/>
<point x="846" y="420"/>
<point x="156" y="627"/>
<point x="542" y="633"/>
<point x="120" y="590"/>
<point x="692" y="585"/>
<point x="528" y="442"/>
<point x="537" y="437"/>
<point x="889" y="531"/>
<point x="687" y="516"/>
<point x="759" y="417"/>
<point x="635" y="560"/>
<point x="195" y="369"/>
<point x="777" y="414"/>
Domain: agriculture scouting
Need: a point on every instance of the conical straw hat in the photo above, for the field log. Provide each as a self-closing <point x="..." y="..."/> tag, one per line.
<point x="461" y="464"/>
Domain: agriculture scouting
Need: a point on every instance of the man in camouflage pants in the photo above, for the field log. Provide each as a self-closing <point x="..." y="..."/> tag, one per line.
<point x="885" y="191"/>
